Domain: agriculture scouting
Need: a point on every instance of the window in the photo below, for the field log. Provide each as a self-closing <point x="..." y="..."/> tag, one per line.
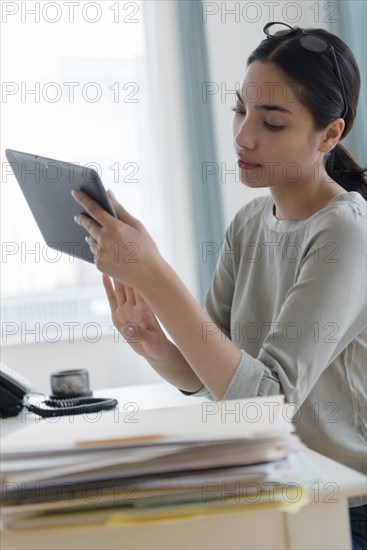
<point x="76" y="87"/>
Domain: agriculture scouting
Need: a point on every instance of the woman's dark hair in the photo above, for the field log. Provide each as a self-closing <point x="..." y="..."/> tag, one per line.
<point x="320" y="93"/>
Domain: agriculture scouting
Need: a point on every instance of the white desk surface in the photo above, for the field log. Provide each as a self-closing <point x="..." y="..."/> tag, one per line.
<point x="144" y="396"/>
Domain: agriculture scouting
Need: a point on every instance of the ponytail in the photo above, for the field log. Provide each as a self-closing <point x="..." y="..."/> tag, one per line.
<point x="344" y="169"/>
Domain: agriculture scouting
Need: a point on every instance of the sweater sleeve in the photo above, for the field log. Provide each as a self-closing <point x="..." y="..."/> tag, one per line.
<point x="324" y="310"/>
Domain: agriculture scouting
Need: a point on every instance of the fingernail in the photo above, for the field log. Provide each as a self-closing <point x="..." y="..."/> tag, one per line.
<point x="111" y="194"/>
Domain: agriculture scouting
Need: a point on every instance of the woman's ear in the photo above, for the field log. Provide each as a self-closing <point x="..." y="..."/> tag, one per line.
<point x="331" y="135"/>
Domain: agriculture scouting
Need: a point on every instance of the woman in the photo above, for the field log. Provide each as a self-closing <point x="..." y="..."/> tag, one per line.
<point x="285" y="312"/>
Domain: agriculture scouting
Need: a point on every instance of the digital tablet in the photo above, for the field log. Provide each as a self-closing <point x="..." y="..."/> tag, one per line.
<point x="46" y="185"/>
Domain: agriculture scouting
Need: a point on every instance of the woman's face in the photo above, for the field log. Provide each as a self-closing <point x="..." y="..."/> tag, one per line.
<point x="273" y="132"/>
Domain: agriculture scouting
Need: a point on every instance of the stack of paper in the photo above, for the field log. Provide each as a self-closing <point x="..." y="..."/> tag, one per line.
<point x="152" y="464"/>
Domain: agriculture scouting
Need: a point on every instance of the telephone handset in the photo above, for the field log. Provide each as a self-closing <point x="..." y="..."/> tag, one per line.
<point x="13" y="387"/>
<point x="17" y="392"/>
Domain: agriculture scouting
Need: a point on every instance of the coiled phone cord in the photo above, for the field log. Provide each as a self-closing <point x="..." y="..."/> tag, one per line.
<point x="45" y="406"/>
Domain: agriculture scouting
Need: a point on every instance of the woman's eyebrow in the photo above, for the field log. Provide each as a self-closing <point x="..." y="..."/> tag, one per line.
<point x="266" y="107"/>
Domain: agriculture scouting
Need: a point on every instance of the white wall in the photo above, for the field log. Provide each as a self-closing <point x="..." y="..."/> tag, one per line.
<point x="233" y="32"/>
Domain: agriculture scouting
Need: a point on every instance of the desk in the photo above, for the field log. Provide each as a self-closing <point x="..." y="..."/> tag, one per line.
<point x="321" y="524"/>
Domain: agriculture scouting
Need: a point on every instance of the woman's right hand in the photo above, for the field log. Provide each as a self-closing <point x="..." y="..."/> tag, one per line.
<point x="134" y="320"/>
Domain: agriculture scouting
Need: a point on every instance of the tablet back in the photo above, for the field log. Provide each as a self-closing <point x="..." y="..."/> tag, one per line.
<point x="46" y="185"/>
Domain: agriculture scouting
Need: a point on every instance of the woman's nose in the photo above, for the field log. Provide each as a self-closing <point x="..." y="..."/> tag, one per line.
<point x="244" y="134"/>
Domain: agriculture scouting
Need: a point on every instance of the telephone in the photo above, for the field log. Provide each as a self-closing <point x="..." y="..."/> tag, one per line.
<point x="17" y="392"/>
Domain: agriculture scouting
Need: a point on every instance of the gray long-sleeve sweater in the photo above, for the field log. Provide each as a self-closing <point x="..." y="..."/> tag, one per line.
<point x="292" y="296"/>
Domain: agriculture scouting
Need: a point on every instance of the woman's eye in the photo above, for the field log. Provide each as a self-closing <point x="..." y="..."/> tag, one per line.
<point x="238" y="111"/>
<point x="272" y="127"/>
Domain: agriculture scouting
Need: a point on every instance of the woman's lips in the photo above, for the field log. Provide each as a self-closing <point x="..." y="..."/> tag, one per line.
<point x="246" y="166"/>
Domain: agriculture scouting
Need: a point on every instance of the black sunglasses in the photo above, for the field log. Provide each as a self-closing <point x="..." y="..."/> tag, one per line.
<point x="312" y="43"/>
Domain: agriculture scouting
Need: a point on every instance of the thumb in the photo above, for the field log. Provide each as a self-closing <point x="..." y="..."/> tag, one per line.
<point x="122" y="214"/>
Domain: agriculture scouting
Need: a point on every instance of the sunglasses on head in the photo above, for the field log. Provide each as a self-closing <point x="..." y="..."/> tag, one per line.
<point x="310" y="42"/>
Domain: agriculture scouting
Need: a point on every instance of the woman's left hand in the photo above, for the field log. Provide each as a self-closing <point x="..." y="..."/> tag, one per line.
<point x="122" y="246"/>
